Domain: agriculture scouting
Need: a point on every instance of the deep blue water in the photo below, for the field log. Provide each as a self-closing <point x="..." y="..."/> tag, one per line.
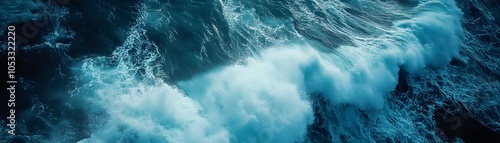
<point x="254" y="70"/>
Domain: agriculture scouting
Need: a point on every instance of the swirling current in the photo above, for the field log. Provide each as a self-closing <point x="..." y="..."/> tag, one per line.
<point x="253" y="71"/>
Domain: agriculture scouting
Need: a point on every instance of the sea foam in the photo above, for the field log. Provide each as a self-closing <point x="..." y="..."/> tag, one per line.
<point x="265" y="98"/>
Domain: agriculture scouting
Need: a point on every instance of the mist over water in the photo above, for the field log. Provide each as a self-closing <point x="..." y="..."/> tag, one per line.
<point x="258" y="71"/>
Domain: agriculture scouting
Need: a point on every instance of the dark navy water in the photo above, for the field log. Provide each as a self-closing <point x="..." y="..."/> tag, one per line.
<point x="254" y="70"/>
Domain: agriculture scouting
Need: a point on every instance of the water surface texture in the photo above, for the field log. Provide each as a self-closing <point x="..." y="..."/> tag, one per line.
<point x="280" y="71"/>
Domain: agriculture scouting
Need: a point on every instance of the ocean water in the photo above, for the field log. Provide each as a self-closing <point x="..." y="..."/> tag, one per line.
<point x="254" y="71"/>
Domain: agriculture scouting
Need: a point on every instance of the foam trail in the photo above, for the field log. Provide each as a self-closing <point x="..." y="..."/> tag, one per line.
<point x="265" y="98"/>
<point x="139" y="110"/>
<point x="430" y="39"/>
<point x="359" y="75"/>
<point x="237" y="109"/>
<point x="267" y="112"/>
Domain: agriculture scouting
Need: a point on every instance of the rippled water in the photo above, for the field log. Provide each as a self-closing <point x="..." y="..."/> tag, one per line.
<point x="256" y="71"/>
